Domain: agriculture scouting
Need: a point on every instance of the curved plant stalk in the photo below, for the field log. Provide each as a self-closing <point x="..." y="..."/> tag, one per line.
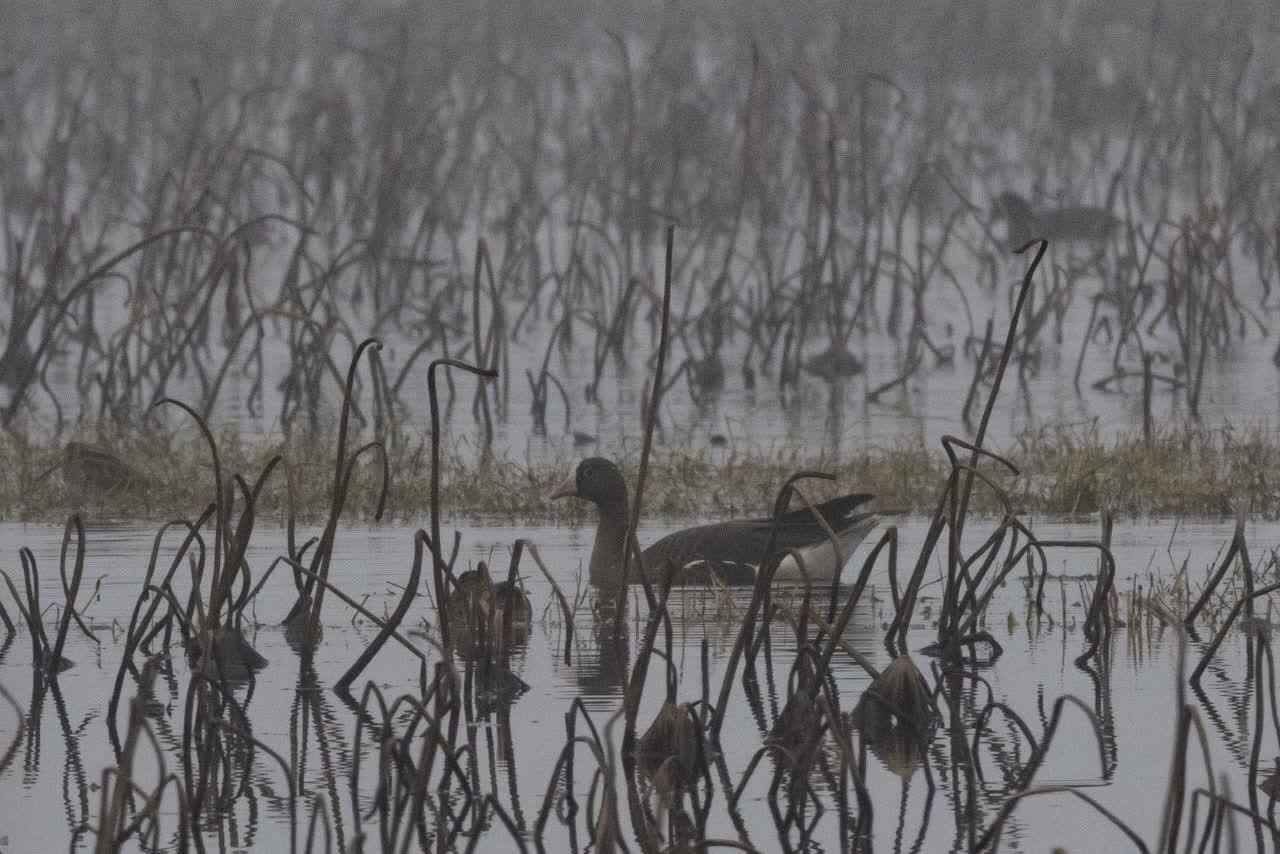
<point x="437" y="563"/>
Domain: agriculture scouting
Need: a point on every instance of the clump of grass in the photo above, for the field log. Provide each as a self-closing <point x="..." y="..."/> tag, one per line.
<point x="1065" y="469"/>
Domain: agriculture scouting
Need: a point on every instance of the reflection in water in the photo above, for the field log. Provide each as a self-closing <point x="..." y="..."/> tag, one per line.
<point x="603" y="656"/>
<point x="261" y="763"/>
<point x="312" y="722"/>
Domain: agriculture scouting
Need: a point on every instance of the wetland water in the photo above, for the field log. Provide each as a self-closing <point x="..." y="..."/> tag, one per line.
<point x="808" y="416"/>
<point x="806" y="212"/>
<point x="51" y="787"/>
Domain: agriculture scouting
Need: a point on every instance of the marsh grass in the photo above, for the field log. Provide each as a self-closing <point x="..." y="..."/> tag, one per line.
<point x="1066" y="469"/>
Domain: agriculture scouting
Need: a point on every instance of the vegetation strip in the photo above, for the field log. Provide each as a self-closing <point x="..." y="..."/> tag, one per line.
<point x="1185" y="471"/>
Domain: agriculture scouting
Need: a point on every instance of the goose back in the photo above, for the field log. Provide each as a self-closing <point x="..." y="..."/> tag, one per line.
<point x="732" y="551"/>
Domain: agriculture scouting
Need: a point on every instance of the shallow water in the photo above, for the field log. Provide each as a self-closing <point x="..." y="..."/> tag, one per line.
<point x="51" y="787"/>
<point x="764" y="260"/>
<point x="813" y="416"/>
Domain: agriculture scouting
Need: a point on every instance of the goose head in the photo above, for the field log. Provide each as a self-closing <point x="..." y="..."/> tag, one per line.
<point x="596" y="480"/>
<point x="1011" y="207"/>
<point x="1017" y="215"/>
<point x="600" y="481"/>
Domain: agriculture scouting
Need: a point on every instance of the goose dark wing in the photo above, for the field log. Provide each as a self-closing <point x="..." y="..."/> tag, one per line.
<point x="734" y="549"/>
<point x="839" y="513"/>
<point x="731" y="549"/>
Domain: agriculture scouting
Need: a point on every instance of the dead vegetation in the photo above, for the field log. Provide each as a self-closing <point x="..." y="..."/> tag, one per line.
<point x="1190" y="471"/>
<point x="201" y="221"/>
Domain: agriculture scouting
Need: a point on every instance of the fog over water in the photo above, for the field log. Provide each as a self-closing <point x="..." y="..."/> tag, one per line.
<point x="834" y="176"/>
<point x="810" y="231"/>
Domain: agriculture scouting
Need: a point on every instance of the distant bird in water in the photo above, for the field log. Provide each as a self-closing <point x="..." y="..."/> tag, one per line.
<point x="834" y="364"/>
<point x="730" y="550"/>
<point x="477" y="610"/>
<point x="477" y="607"/>
<point x="1068" y="224"/>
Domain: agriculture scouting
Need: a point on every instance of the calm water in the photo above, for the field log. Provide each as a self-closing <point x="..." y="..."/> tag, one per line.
<point x="51" y="786"/>
<point x="1241" y="387"/>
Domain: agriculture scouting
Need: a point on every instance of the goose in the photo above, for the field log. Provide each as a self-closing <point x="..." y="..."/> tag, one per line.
<point x="1068" y="224"/>
<point x="731" y="550"/>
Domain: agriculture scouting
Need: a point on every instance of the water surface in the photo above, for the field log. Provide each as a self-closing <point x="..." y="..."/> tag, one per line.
<point x="51" y="787"/>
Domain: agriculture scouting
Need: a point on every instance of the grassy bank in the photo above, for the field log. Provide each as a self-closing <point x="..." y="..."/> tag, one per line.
<point x="1185" y="472"/>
